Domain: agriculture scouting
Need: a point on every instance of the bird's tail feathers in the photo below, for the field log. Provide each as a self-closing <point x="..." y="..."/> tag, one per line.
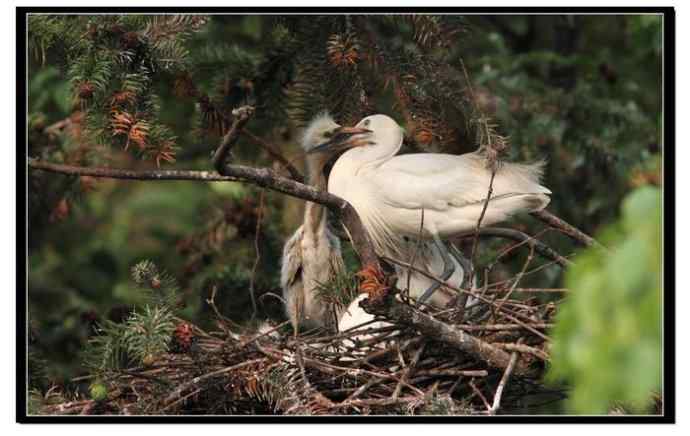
<point x="530" y="173"/>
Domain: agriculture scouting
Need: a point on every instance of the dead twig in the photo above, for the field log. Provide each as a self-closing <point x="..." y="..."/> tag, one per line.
<point x="501" y="385"/>
<point x="257" y="256"/>
<point x="194" y="383"/>
<point x="479" y="223"/>
<point x="440" y="331"/>
<point x="408" y="371"/>
<point x="275" y="154"/>
<point x="519" y="236"/>
<point x="565" y="228"/>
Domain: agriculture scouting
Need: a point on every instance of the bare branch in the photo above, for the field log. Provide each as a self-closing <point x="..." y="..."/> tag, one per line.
<point x="519" y="236"/>
<point x="565" y="228"/>
<point x="123" y="174"/>
<point x="275" y="154"/>
<point x="501" y="385"/>
<point x="263" y="177"/>
<point x="440" y="331"/>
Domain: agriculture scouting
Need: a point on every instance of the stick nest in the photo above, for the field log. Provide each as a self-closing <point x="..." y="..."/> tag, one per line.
<point x="412" y="365"/>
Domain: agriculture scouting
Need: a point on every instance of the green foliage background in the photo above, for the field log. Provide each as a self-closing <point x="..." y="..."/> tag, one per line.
<point x="608" y="335"/>
<point x="582" y="91"/>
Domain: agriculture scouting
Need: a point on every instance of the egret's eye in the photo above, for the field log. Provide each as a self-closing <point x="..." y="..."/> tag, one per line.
<point x="366" y="123"/>
<point x="328" y="134"/>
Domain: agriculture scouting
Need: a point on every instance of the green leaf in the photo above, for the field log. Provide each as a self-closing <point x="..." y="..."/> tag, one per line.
<point x="607" y="339"/>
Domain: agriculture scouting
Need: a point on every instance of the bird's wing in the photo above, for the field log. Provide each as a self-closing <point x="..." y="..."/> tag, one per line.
<point x="291" y="269"/>
<point x="439" y="181"/>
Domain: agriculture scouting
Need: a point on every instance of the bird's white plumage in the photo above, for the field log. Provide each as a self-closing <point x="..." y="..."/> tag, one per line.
<point x="313" y="134"/>
<point x="427" y="258"/>
<point x="390" y="192"/>
<point x="353" y="318"/>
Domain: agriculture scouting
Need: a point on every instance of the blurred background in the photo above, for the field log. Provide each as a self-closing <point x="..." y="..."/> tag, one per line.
<point x="143" y="92"/>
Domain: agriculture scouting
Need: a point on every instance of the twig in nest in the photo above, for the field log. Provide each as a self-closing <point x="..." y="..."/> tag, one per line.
<point x="501" y="385"/>
<point x="408" y="371"/>
<point x="521" y="348"/>
<point x="541" y="290"/>
<point x="480" y="297"/>
<point x="361" y="390"/>
<point x="501" y="327"/>
<point x="517" y="279"/>
<point x="264" y="334"/>
<point x="479" y="394"/>
<point x="440" y="331"/>
<point x="177" y="393"/>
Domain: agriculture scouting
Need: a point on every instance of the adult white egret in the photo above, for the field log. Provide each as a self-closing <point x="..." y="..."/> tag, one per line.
<point x="391" y="193"/>
<point x="312" y="255"/>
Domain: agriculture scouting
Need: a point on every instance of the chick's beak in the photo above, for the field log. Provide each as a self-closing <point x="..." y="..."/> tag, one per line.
<point x="343" y="138"/>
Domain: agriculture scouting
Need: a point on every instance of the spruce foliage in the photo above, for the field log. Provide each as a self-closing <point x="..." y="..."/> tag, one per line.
<point x="145" y="334"/>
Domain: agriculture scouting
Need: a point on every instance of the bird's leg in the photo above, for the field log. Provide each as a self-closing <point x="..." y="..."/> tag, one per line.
<point x="464" y="262"/>
<point x="448" y="270"/>
<point x="461" y="300"/>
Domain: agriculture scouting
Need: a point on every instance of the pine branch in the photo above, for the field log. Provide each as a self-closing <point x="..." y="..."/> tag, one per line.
<point x="263" y="177"/>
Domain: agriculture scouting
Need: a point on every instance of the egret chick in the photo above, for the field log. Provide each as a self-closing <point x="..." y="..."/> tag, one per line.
<point x="312" y="255"/>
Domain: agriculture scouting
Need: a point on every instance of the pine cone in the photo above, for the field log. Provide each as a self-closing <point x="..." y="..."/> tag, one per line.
<point x="183" y="338"/>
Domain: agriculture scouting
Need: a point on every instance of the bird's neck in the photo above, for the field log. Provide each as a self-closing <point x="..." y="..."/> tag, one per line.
<point x="315" y="213"/>
<point x="373" y="155"/>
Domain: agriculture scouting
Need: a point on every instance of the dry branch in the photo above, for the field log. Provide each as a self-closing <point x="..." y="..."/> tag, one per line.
<point x="432" y="328"/>
<point x="521" y="237"/>
<point x="569" y="230"/>
<point x="263" y="177"/>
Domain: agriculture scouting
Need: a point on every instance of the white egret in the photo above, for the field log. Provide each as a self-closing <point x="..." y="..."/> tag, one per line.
<point x="312" y="255"/>
<point x="391" y="193"/>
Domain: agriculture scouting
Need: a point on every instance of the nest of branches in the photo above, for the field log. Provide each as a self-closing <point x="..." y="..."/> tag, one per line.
<point x="484" y="358"/>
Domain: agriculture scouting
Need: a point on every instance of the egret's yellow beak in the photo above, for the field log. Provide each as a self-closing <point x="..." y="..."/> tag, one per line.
<point x="343" y="138"/>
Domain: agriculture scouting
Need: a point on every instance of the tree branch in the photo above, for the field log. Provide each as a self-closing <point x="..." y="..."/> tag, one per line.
<point x="519" y="236"/>
<point x="263" y="177"/>
<point x="440" y="331"/>
<point x="117" y="173"/>
<point x="565" y="228"/>
<point x="275" y="154"/>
